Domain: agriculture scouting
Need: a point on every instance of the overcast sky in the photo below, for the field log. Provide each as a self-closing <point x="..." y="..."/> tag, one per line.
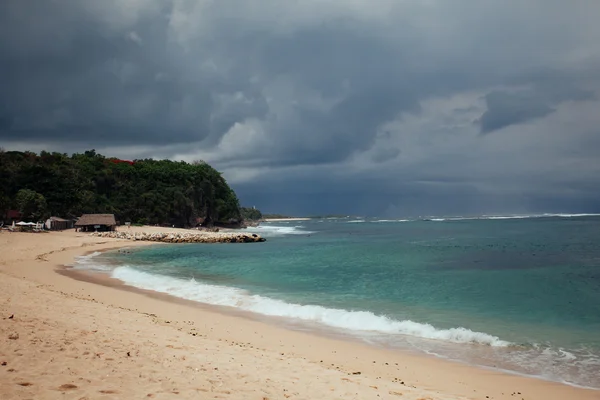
<point x="380" y="107"/>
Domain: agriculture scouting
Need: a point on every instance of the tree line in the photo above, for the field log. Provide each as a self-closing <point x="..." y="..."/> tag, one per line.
<point x="144" y="191"/>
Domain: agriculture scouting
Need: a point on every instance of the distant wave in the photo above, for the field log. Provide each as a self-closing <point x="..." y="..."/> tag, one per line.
<point x="278" y="230"/>
<point x="355" y="321"/>
<point x="571" y="215"/>
<point x="479" y="217"/>
<point x="503" y="217"/>
<point x="391" y="220"/>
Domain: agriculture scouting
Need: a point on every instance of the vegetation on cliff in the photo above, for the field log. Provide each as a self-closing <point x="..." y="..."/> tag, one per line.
<point x="251" y="214"/>
<point x="141" y="191"/>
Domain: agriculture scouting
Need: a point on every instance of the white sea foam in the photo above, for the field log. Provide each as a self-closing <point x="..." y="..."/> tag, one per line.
<point x="571" y="215"/>
<point x="506" y="217"/>
<point x="355" y="221"/>
<point x="83" y="261"/>
<point x="278" y="230"/>
<point x="355" y="321"/>
<point x="89" y="262"/>
<point x="89" y="256"/>
<point x="526" y="216"/>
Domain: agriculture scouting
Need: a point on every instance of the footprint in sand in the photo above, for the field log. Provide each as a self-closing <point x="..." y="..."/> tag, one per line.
<point x="67" y="386"/>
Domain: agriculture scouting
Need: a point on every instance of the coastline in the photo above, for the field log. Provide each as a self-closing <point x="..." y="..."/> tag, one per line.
<point x="275" y="362"/>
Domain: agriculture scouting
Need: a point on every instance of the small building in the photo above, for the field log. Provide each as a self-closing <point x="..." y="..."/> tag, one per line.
<point x="12" y="216"/>
<point x="96" y="223"/>
<point x="58" y="224"/>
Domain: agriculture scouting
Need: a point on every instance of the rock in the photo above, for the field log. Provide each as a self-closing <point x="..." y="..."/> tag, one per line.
<point x="185" y="237"/>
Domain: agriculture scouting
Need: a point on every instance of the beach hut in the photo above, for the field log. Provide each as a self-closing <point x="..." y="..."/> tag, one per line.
<point x="12" y="216"/>
<point x="58" y="224"/>
<point x="96" y="223"/>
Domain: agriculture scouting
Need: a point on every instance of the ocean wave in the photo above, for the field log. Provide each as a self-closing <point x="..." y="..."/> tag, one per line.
<point x="571" y="215"/>
<point x="89" y="262"/>
<point x="278" y="230"/>
<point x="355" y="221"/>
<point x="508" y="217"/>
<point x="89" y="256"/>
<point x="354" y="321"/>
<point x="526" y="216"/>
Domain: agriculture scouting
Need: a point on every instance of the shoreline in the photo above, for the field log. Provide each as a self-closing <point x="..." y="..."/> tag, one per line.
<point x="104" y="279"/>
<point x="421" y="375"/>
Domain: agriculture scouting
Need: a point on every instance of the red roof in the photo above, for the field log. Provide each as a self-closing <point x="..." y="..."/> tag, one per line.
<point x="117" y="161"/>
<point x="13" y="214"/>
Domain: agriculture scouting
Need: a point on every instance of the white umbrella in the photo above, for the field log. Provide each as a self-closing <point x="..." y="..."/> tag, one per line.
<point x="21" y="223"/>
<point x="31" y="224"/>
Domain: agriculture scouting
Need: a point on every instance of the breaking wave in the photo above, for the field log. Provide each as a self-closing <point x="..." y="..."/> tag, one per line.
<point x="277" y="230"/>
<point x="90" y="262"/>
<point x="353" y="321"/>
<point x="503" y="217"/>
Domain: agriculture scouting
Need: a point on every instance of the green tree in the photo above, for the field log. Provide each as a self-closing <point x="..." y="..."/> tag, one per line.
<point x="4" y="204"/>
<point x="149" y="191"/>
<point x="31" y="204"/>
<point x="251" y="214"/>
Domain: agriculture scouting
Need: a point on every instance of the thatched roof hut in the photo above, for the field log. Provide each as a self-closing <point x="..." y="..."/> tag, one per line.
<point x="96" y="222"/>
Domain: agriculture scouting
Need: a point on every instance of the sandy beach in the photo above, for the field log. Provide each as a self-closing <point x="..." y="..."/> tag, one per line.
<point x="93" y="338"/>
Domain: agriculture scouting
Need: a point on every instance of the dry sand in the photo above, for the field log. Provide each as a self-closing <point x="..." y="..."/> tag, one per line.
<point x="62" y="338"/>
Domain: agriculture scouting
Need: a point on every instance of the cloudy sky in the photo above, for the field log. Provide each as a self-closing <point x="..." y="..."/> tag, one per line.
<point x="380" y="107"/>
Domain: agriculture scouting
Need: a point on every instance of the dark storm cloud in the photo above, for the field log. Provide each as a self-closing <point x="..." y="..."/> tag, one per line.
<point x="546" y="89"/>
<point x="80" y="79"/>
<point x="336" y="62"/>
<point x="67" y="75"/>
<point x="79" y="71"/>
<point x="348" y="127"/>
<point x="505" y="109"/>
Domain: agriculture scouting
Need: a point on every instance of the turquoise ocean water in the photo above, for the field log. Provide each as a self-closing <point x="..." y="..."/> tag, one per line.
<point x="520" y="294"/>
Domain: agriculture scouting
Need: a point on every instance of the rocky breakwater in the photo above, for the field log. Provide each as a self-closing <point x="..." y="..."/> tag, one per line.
<point x="191" y="237"/>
